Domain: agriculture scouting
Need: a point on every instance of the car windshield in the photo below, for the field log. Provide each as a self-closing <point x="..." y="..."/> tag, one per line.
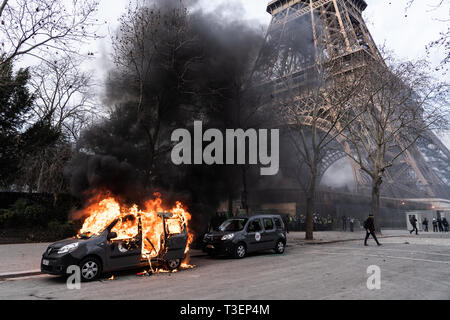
<point x="233" y="225"/>
<point x="87" y="235"/>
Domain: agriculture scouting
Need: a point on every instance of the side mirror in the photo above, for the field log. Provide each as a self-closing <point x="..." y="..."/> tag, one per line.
<point x="112" y="235"/>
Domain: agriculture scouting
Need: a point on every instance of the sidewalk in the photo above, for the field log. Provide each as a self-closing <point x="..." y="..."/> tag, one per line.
<point x="320" y="237"/>
<point x="21" y="259"/>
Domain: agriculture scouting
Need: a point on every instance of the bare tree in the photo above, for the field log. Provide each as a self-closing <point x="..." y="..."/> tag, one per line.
<point x="65" y="95"/>
<point x="35" y="27"/>
<point x="43" y="171"/>
<point x="151" y="53"/>
<point x="316" y="113"/>
<point x="397" y="104"/>
<point x="443" y="40"/>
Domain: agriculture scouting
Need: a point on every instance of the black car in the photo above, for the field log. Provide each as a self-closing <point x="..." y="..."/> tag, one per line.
<point x="104" y="253"/>
<point x="241" y="235"/>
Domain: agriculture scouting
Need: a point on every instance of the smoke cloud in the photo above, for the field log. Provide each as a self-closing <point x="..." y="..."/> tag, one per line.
<point x="162" y="87"/>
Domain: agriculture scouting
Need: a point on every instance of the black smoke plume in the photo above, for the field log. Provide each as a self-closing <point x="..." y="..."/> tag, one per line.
<point x="189" y="65"/>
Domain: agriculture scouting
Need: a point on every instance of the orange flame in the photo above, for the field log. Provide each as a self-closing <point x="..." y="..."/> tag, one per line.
<point x="105" y="209"/>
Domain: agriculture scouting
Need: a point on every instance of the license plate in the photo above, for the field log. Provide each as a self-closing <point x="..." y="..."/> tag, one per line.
<point x="210" y="246"/>
<point x="45" y="262"/>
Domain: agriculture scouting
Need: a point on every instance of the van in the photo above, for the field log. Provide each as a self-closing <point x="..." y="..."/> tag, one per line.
<point x="241" y="235"/>
<point x="104" y="253"/>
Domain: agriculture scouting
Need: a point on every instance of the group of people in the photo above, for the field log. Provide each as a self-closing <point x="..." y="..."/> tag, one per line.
<point x="351" y="222"/>
<point x="439" y="225"/>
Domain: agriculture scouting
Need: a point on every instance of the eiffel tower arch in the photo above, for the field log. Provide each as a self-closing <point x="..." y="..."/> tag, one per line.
<point x="305" y="33"/>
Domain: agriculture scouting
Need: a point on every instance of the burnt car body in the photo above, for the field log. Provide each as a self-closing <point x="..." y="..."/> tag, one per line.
<point x="103" y="253"/>
<point x="241" y="235"/>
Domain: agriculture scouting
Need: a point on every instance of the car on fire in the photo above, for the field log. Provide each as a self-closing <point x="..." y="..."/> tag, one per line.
<point x="241" y="235"/>
<point x="104" y="252"/>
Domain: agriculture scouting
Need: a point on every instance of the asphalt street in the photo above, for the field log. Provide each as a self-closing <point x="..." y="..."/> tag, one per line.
<point x="411" y="268"/>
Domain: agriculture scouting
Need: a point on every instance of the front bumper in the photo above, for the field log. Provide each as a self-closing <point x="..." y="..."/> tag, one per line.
<point x="57" y="265"/>
<point x="218" y="247"/>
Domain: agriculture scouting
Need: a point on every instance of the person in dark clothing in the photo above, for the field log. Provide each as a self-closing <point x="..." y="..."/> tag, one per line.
<point x="435" y="226"/>
<point x="344" y="223"/>
<point x="286" y="223"/>
<point x="369" y="225"/>
<point x="439" y="222"/>
<point x="425" y="224"/>
<point x="445" y="224"/>
<point x="413" y="222"/>
<point x="352" y="223"/>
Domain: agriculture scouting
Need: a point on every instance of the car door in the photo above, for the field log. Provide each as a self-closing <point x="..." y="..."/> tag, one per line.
<point x="253" y="235"/>
<point x="124" y="253"/>
<point x="269" y="236"/>
<point x="176" y="241"/>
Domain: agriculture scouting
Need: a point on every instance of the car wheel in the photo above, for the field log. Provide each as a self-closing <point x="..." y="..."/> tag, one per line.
<point x="90" y="268"/>
<point x="240" y="251"/>
<point x="279" y="248"/>
<point x="173" y="264"/>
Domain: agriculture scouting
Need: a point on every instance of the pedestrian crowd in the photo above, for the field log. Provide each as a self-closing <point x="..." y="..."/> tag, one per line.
<point x="439" y="224"/>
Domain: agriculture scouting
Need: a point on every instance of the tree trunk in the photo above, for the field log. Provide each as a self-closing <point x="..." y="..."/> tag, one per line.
<point x="375" y="205"/>
<point x="244" y="196"/>
<point x="55" y="199"/>
<point x="311" y="204"/>
<point x="230" y="205"/>
<point x="40" y="178"/>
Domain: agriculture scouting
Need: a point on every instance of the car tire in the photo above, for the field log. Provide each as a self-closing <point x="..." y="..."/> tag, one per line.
<point x="240" y="251"/>
<point x="279" y="247"/>
<point x="90" y="269"/>
<point x="173" y="264"/>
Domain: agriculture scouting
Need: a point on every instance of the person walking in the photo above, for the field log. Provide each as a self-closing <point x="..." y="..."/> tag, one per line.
<point x="352" y="223"/>
<point x="439" y="222"/>
<point x="369" y="225"/>
<point x="425" y="224"/>
<point x="435" y="226"/>
<point x="413" y="222"/>
<point x="445" y="224"/>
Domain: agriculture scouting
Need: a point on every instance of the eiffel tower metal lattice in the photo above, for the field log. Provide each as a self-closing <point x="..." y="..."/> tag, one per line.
<point x="304" y="32"/>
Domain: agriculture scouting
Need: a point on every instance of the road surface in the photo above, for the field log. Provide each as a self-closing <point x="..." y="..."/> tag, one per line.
<point x="411" y="268"/>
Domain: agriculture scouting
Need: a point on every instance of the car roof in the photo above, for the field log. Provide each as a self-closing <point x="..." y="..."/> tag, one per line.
<point x="257" y="216"/>
<point x="266" y="216"/>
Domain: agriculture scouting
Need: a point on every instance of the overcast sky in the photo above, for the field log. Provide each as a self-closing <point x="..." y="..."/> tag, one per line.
<point x="405" y="32"/>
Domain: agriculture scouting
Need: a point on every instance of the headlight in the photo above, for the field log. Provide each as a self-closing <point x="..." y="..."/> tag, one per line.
<point x="68" y="248"/>
<point x="228" y="237"/>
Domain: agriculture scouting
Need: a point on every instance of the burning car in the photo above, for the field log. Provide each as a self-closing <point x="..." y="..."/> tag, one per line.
<point x="134" y="238"/>
<point x="241" y="235"/>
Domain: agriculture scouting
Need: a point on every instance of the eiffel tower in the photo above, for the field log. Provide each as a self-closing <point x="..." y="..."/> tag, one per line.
<point x="303" y="33"/>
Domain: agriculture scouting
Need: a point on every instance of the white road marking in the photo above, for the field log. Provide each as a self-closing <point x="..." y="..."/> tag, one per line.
<point x="399" y="250"/>
<point x="380" y="256"/>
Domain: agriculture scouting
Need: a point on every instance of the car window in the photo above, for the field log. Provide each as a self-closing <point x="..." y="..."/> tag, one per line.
<point x="268" y="223"/>
<point x="254" y="226"/>
<point x="277" y="222"/>
<point x="233" y="225"/>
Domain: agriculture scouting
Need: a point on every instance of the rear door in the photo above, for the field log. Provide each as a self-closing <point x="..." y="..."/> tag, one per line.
<point x="269" y="236"/>
<point x="176" y="239"/>
<point x="254" y="235"/>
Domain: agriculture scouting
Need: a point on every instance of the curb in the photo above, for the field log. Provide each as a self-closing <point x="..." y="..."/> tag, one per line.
<point x="27" y="273"/>
<point x="19" y="274"/>
<point x="315" y="242"/>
